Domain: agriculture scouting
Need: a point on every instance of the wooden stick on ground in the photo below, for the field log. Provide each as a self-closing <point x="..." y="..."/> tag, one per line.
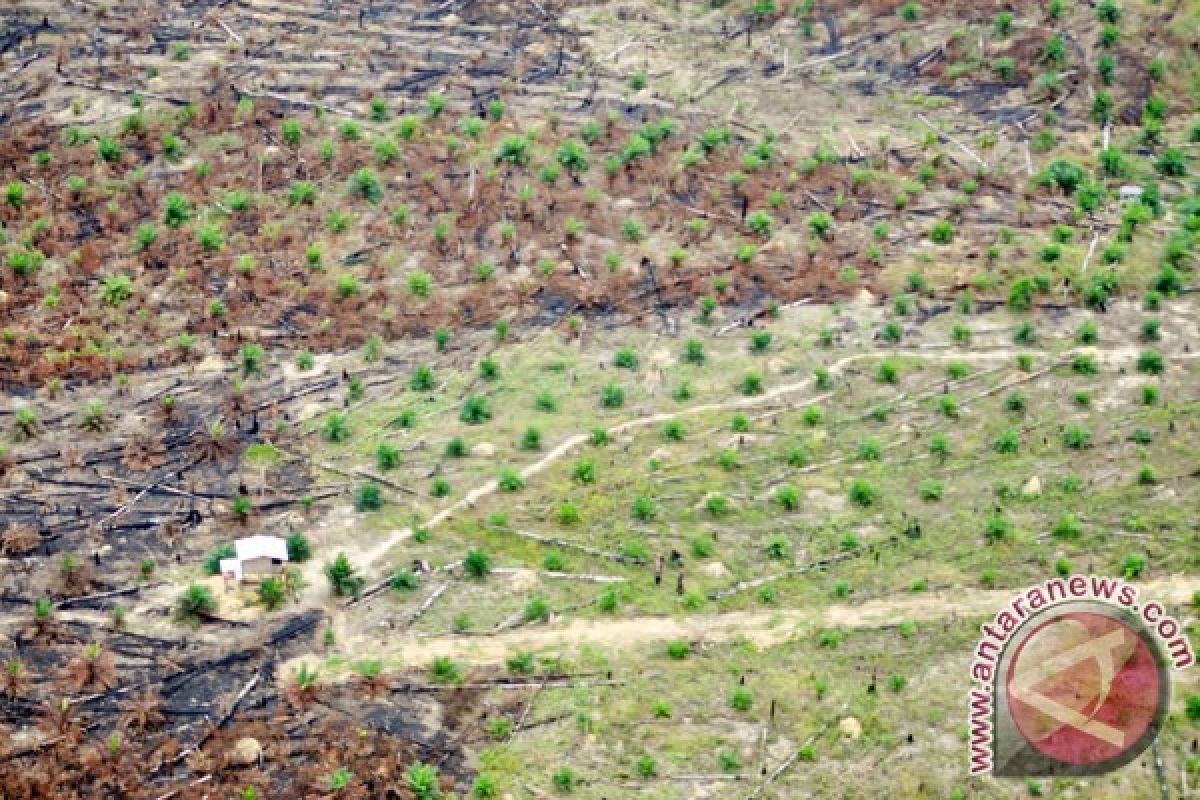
<point x="424" y="607"/>
<point x="762" y="787"/>
<point x="953" y="141"/>
<point x="1091" y="249"/>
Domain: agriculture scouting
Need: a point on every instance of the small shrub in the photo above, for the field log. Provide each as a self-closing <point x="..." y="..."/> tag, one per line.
<point x="298" y="547"/>
<point x="510" y="480"/>
<point x="741" y="699"/>
<point x="679" y="649"/>
<point x="475" y="410"/>
<point x="612" y="395"/>
<point x="403" y="580"/>
<point x="626" y="358"/>
<point x="643" y="508"/>
<point x="1084" y="364"/>
<point x="445" y="670"/>
<point x="939" y="446"/>
<point x="343" y="578"/>
<point x="368" y="498"/>
<point x="1088" y="332"/>
<point x="1077" y="437"/>
<point x="787" y="498"/>
<point x="1068" y="527"/>
<point x="863" y="493"/>
<point x="997" y="526"/>
<point x="537" y="609"/>
<point x="751" y="384"/>
<point x="477" y="564"/>
<point x="336" y="428"/>
<point x="531" y="439"/>
<point x="942" y="232"/>
<point x="1133" y="565"/>
<point x="1150" y="362"/>
<point x="195" y="603"/>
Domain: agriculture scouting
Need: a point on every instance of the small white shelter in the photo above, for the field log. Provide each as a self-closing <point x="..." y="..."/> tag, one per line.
<point x="1131" y="194"/>
<point x="256" y="557"/>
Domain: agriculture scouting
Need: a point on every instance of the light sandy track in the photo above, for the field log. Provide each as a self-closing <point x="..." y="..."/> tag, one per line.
<point x="378" y="551"/>
<point x="764" y="628"/>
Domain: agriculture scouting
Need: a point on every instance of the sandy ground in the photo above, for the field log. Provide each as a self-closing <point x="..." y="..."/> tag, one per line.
<point x="764" y="628"/>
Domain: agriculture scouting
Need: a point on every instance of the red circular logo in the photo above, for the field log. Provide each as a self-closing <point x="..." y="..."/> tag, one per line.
<point x="1083" y="688"/>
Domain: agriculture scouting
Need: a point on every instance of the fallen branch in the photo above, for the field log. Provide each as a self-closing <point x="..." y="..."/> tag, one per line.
<point x="222" y="722"/>
<point x="99" y="87"/>
<point x="425" y="606"/>
<point x="953" y="141"/>
<point x="358" y="472"/>
<point x="782" y="768"/>
<point x="293" y="101"/>
<point x="576" y="576"/>
<point x="1091" y="250"/>
<point x="74" y="601"/>
<point x="824" y="59"/>
<point x="525" y="712"/>
<point x="174" y="792"/>
<point x="546" y="540"/>
<point x="232" y="33"/>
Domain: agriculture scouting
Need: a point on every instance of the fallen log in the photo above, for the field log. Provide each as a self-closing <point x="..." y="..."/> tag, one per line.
<point x="582" y="548"/>
<point x="75" y="601"/>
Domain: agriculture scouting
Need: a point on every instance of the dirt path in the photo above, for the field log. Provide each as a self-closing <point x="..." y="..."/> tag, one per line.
<point x="368" y="557"/>
<point x="764" y="628"/>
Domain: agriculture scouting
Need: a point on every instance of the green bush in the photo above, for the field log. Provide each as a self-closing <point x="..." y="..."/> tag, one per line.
<point x="212" y="561"/>
<point x="194" y="604"/>
<point x="787" y="498"/>
<point x="932" y="490"/>
<point x="445" y="670"/>
<point x="336" y="428"/>
<point x="403" y="580"/>
<point x="475" y="410"/>
<point x="863" y="493"/>
<point x="751" y="384"/>
<point x="531" y="439"/>
<point x="612" y="395"/>
<point x="942" y="232"/>
<point x="510" y="480"/>
<point x="1068" y="527"/>
<point x="1133" y="565"/>
<point x="537" y="609"/>
<point x="368" y="498"/>
<point x="270" y="593"/>
<point x="1150" y="362"/>
<point x="477" y="563"/>
<point x="674" y="431"/>
<point x="298" y="547"/>
<point x="643" y="508"/>
<point x="1007" y="442"/>
<point x="626" y="358"/>
<point x="1077" y="437"/>
<point x="679" y="649"/>
<point x="344" y="579"/>
<point x="387" y="456"/>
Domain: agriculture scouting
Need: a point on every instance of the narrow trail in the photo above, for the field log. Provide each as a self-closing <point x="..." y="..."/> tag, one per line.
<point x="378" y="550"/>
<point x="764" y="628"/>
